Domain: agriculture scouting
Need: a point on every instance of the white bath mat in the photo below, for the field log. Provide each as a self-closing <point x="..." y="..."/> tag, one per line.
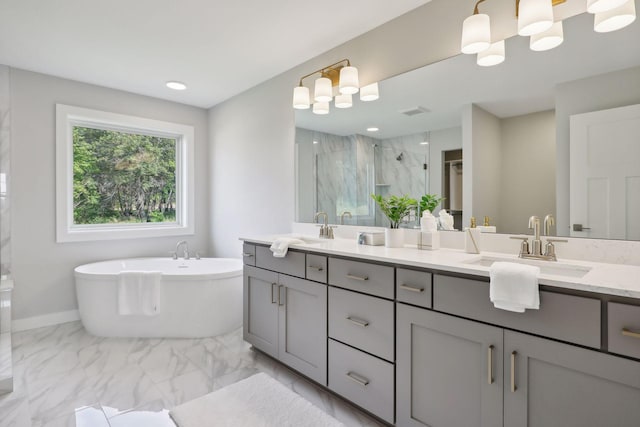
<point x="258" y="401"/>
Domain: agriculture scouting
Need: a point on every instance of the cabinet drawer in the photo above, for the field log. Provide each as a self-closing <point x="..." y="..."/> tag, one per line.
<point x="564" y="317"/>
<point x="362" y="321"/>
<point x="362" y="276"/>
<point x="292" y="264"/>
<point x="363" y="379"/>
<point x="413" y="287"/>
<point x="317" y="268"/>
<point x="249" y="254"/>
<point x="624" y="329"/>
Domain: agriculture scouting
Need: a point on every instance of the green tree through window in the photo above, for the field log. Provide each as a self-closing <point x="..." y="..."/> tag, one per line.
<point x="121" y="177"/>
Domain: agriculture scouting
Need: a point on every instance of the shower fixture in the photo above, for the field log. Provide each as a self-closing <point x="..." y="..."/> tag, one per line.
<point x="399" y="158"/>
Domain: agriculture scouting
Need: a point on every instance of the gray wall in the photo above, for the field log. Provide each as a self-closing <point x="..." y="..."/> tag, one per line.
<point x="252" y="134"/>
<point x="611" y="90"/>
<point x="42" y="268"/>
<point x="481" y="153"/>
<point x="528" y="170"/>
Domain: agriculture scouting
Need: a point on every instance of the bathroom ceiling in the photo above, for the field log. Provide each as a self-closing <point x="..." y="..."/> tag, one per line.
<point x="218" y="48"/>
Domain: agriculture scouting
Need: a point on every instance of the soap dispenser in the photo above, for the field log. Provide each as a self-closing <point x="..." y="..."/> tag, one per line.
<point x="486" y="228"/>
<point x="429" y="235"/>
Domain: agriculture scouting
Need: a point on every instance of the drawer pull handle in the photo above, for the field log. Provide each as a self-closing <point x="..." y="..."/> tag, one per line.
<point x="315" y="267"/>
<point x="629" y="333"/>
<point x="513" y="371"/>
<point x="273" y="300"/>
<point x="490" y="365"/>
<point x="247" y="254"/>
<point x="359" y="322"/>
<point x="411" y="288"/>
<point x="280" y="299"/>
<point x="361" y="278"/>
<point x="357" y="378"/>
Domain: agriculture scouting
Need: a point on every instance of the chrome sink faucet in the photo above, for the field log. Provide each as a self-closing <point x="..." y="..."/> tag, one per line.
<point x="326" y="231"/>
<point x="186" y="249"/>
<point x="534" y="251"/>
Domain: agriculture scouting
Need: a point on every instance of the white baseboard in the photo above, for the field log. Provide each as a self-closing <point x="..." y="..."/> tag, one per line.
<point x="51" y="319"/>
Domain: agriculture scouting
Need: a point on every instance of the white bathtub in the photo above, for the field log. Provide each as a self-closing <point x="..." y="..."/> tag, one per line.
<point x="199" y="298"/>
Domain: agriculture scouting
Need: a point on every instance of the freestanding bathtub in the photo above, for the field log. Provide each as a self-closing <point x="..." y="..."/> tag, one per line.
<point x="199" y="298"/>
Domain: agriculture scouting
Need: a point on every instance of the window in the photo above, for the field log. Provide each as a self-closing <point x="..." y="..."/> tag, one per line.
<point x="121" y="177"/>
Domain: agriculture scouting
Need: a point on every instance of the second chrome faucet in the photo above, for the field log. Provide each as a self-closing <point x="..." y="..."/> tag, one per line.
<point x="534" y="251"/>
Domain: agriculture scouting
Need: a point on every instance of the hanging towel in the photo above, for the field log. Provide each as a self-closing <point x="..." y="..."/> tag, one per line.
<point x="280" y="246"/>
<point x="139" y="293"/>
<point x="514" y="287"/>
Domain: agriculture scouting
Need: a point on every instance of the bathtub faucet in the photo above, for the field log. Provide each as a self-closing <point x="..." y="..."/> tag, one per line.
<point x="186" y="248"/>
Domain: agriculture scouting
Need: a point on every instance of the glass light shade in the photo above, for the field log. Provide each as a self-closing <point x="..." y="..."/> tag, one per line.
<point x="615" y="19"/>
<point x="534" y="16"/>
<point x="323" y="91"/>
<point x="343" y="101"/>
<point x="476" y="33"/>
<point x="369" y="92"/>
<point x="492" y="56"/>
<point x="301" y="97"/>
<point x="597" y="6"/>
<point x="321" y="108"/>
<point x="549" y="39"/>
<point x="349" y="80"/>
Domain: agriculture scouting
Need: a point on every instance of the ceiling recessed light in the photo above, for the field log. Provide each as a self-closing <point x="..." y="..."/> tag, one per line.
<point x="424" y="143"/>
<point x="315" y="142"/>
<point x="372" y="129"/>
<point x="176" y="85"/>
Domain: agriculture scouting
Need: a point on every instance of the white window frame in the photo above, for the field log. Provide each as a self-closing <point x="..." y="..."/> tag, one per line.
<point x="66" y="231"/>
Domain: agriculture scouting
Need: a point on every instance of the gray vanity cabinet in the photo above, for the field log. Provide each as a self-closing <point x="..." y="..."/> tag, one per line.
<point x="286" y="317"/>
<point x="303" y="326"/>
<point x="448" y="370"/>
<point x="260" y="326"/>
<point x="551" y="384"/>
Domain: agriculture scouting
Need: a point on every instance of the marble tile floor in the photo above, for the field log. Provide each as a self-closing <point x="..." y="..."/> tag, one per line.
<point x="65" y="377"/>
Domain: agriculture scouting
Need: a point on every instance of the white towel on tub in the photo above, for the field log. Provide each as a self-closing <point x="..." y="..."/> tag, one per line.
<point x="139" y="293"/>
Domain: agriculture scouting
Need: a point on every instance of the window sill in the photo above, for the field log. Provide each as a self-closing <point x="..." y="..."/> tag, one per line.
<point x="121" y="232"/>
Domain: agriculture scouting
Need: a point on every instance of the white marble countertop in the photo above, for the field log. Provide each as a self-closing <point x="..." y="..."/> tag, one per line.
<point x="604" y="278"/>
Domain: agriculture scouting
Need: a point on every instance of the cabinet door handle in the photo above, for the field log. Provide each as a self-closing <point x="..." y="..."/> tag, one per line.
<point x="490" y="365"/>
<point x="630" y="333"/>
<point x="280" y="299"/>
<point x="357" y="378"/>
<point x="361" y="278"/>
<point x="411" y="288"/>
<point x="315" y="267"/>
<point x="273" y="299"/>
<point x="247" y="254"/>
<point x="513" y="371"/>
<point x="358" y="322"/>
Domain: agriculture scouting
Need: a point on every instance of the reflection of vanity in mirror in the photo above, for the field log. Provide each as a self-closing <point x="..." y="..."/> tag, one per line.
<point x="553" y="132"/>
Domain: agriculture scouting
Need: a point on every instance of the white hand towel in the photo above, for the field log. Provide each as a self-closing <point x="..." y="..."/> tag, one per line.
<point x="280" y="246"/>
<point x="514" y="287"/>
<point x="139" y="293"/>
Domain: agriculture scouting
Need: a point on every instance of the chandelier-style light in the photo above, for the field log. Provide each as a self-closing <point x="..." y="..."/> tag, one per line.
<point x="340" y="74"/>
<point x="535" y="19"/>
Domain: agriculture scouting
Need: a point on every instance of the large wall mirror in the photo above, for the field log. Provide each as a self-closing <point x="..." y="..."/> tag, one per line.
<point x="555" y="132"/>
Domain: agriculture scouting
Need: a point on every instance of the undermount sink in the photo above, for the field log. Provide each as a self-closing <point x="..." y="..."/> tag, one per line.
<point x="306" y="239"/>
<point x="553" y="268"/>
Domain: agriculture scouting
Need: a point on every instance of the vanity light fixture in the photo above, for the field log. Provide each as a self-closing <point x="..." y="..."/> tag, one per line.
<point x="175" y="85"/>
<point x="534" y="16"/>
<point x="340" y="74"/>
<point x="615" y="19"/>
<point x="372" y="129"/>
<point x="476" y="32"/>
<point x="549" y="39"/>
<point x="535" y="19"/>
<point x="492" y="56"/>
<point x="597" y="6"/>
<point x="369" y="92"/>
<point x="343" y="101"/>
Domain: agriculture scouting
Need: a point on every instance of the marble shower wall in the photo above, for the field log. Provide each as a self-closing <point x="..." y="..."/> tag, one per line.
<point x="5" y="164"/>
<point x="338" y="174"/>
